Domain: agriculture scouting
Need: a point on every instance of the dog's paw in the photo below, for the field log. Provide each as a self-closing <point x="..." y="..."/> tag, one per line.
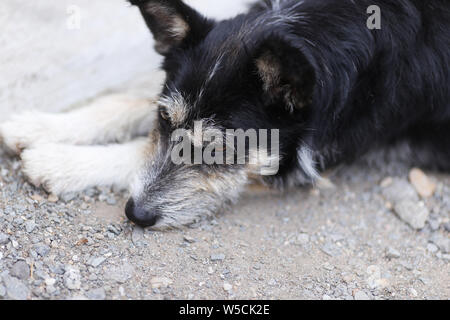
<point x="24" y="130"/>
<point x="52" y="167"/>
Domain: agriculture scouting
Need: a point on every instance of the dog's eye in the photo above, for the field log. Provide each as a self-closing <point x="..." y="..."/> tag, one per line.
<point x="164" y="114"/>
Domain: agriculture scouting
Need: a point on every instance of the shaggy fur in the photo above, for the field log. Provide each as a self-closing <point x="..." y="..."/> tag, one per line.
<point x="310" y="68"/>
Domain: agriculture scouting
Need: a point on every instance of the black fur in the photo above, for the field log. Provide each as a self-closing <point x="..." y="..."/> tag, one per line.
<point x="340" y="89"/>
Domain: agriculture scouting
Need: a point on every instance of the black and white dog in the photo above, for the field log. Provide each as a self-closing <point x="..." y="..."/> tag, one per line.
<point x="311" y="68"/>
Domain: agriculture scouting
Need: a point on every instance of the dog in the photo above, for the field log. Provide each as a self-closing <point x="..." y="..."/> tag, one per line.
<point x="312" y="69"/>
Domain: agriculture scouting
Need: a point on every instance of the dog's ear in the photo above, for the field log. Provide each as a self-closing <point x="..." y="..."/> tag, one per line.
<point x="173" y="23"/>
<point x="286" y="74"/>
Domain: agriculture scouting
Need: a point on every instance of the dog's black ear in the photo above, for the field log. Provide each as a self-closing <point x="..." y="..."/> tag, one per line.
<point x="173" y="23"/>
<point x="286" y="74"/>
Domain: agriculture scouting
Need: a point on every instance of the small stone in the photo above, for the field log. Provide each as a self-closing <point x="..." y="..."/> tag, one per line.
<point x="160" y="282"/>
<point x="302" y="238"/>
<point x="72" y="278"/>
<point x="37" y="198"/>
<point x="423" y="185"/>
<point x="50" y="282"/>
<point x="15" y="289"/>
<point x="227" y="287"/>
<point x="20" y="270"/>
<point x="120" y="274"/>
<point x="391" y="253"/>
<point x="360" y="295"/>
<point x="2" y="291"/>
<point x="4" y="239"/>
<point x="96" y="294"/>
<point x="442" y="242"/>
<point x="189" y="239"/>
<point x="67" y="197"/>
<point x="399" y="190"/>
<point x="42" y="249"/>
<point x="30" y="225"/>
<point x="96" y="261"/>
<point x="415" y="214"/>
<point x="137" y="236"/>
<point x="413" y="292"/>
<point x="431" y="247"/>
<point x="53" y="198"/>
<point x="386" y="182"/>
<point x="218" y="257"/>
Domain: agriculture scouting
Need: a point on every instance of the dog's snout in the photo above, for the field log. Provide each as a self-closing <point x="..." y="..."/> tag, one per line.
<point x="140" y="215"/>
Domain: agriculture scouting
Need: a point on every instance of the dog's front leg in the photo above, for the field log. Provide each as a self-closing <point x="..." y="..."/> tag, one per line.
<point x="62" y="168"/>
<point x="114" y="118"/>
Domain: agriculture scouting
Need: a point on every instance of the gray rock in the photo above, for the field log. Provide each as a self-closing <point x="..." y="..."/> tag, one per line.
<point x="96" y="261"/>
<point x="120" y="274"/>
<point x="361" y="295"/>
<point x="302" y="239"/>
<point x="400" y="190"/>
<point x="72" y="278"/>
<point x="413" y="213"/>
<point x="42" y="249"/>
<point x="96" y="294"/>
<point x="20" y="270"/>
<point x="15" y="289"/>
<point x="217" y="257"/>
<point x="431" y="247"/>
<point x="4" y="239"/>
<point x="2" y="291"/>
<point x="392" y="253"/>
<point x="30" y="225"/>
<point x="137" y="236"/>
<point x="67" y="197"/>
<point x="442" y="242"/>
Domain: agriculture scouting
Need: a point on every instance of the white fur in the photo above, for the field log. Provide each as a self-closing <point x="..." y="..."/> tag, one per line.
<point x="305" y="158"/>
<point x="114" y="118"/>
<point x="61" y="168"/>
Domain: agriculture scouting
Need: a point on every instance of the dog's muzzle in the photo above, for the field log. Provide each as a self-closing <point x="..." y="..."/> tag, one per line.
<point x="139" y="215"/>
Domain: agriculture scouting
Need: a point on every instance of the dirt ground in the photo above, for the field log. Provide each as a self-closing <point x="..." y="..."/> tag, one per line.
<point x="343" y="242"/>
<point x="352" y="240"/>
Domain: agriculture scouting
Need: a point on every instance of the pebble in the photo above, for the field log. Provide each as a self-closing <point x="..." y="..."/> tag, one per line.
<point x="42" y="249"/>
<point x="414" y="213"/>
<point x="20" y="270"/>
<point x="189" y="239"/>
<point x="96" y="261"/>
<point x="392" y="253"/>
<point x="72" y="278"/>
<point x="399" y="190"/>
<point x="217" y="257"/>
<point x="120" y="274"/>
<point x="53" y="198"/>
<point x="431" y="247"/>
<point x="423" y="185"/>
<point x="227" y="287"/>
<point x="30" y="225"/>
<point x="15" y="289"/>
<point x="137" y="236"/>
<point x="442" y="242"/>
<point x="160" y="282"/>
<point x="361" y="295"/>
<point x="302" y="238"/>
<point x="67" y="197"/>
<point x="4" y="239"/>
<point x="96" y="294"/>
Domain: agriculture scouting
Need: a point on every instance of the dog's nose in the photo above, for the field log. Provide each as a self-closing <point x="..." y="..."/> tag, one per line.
<point x="139" y="215"/>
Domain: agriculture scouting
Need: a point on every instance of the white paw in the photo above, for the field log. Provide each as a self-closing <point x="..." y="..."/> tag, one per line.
<point x="24" y="130"/>
<point x="53" y="167"/>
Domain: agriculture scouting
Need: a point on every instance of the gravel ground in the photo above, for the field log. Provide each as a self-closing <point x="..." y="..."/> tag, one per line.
<point x="356" y="240"/>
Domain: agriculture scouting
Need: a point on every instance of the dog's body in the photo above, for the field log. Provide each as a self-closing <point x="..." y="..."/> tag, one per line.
<point x="310" y="68"/>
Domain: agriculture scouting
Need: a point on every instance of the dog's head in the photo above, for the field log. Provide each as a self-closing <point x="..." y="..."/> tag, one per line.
<point x="220" y="77"/>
